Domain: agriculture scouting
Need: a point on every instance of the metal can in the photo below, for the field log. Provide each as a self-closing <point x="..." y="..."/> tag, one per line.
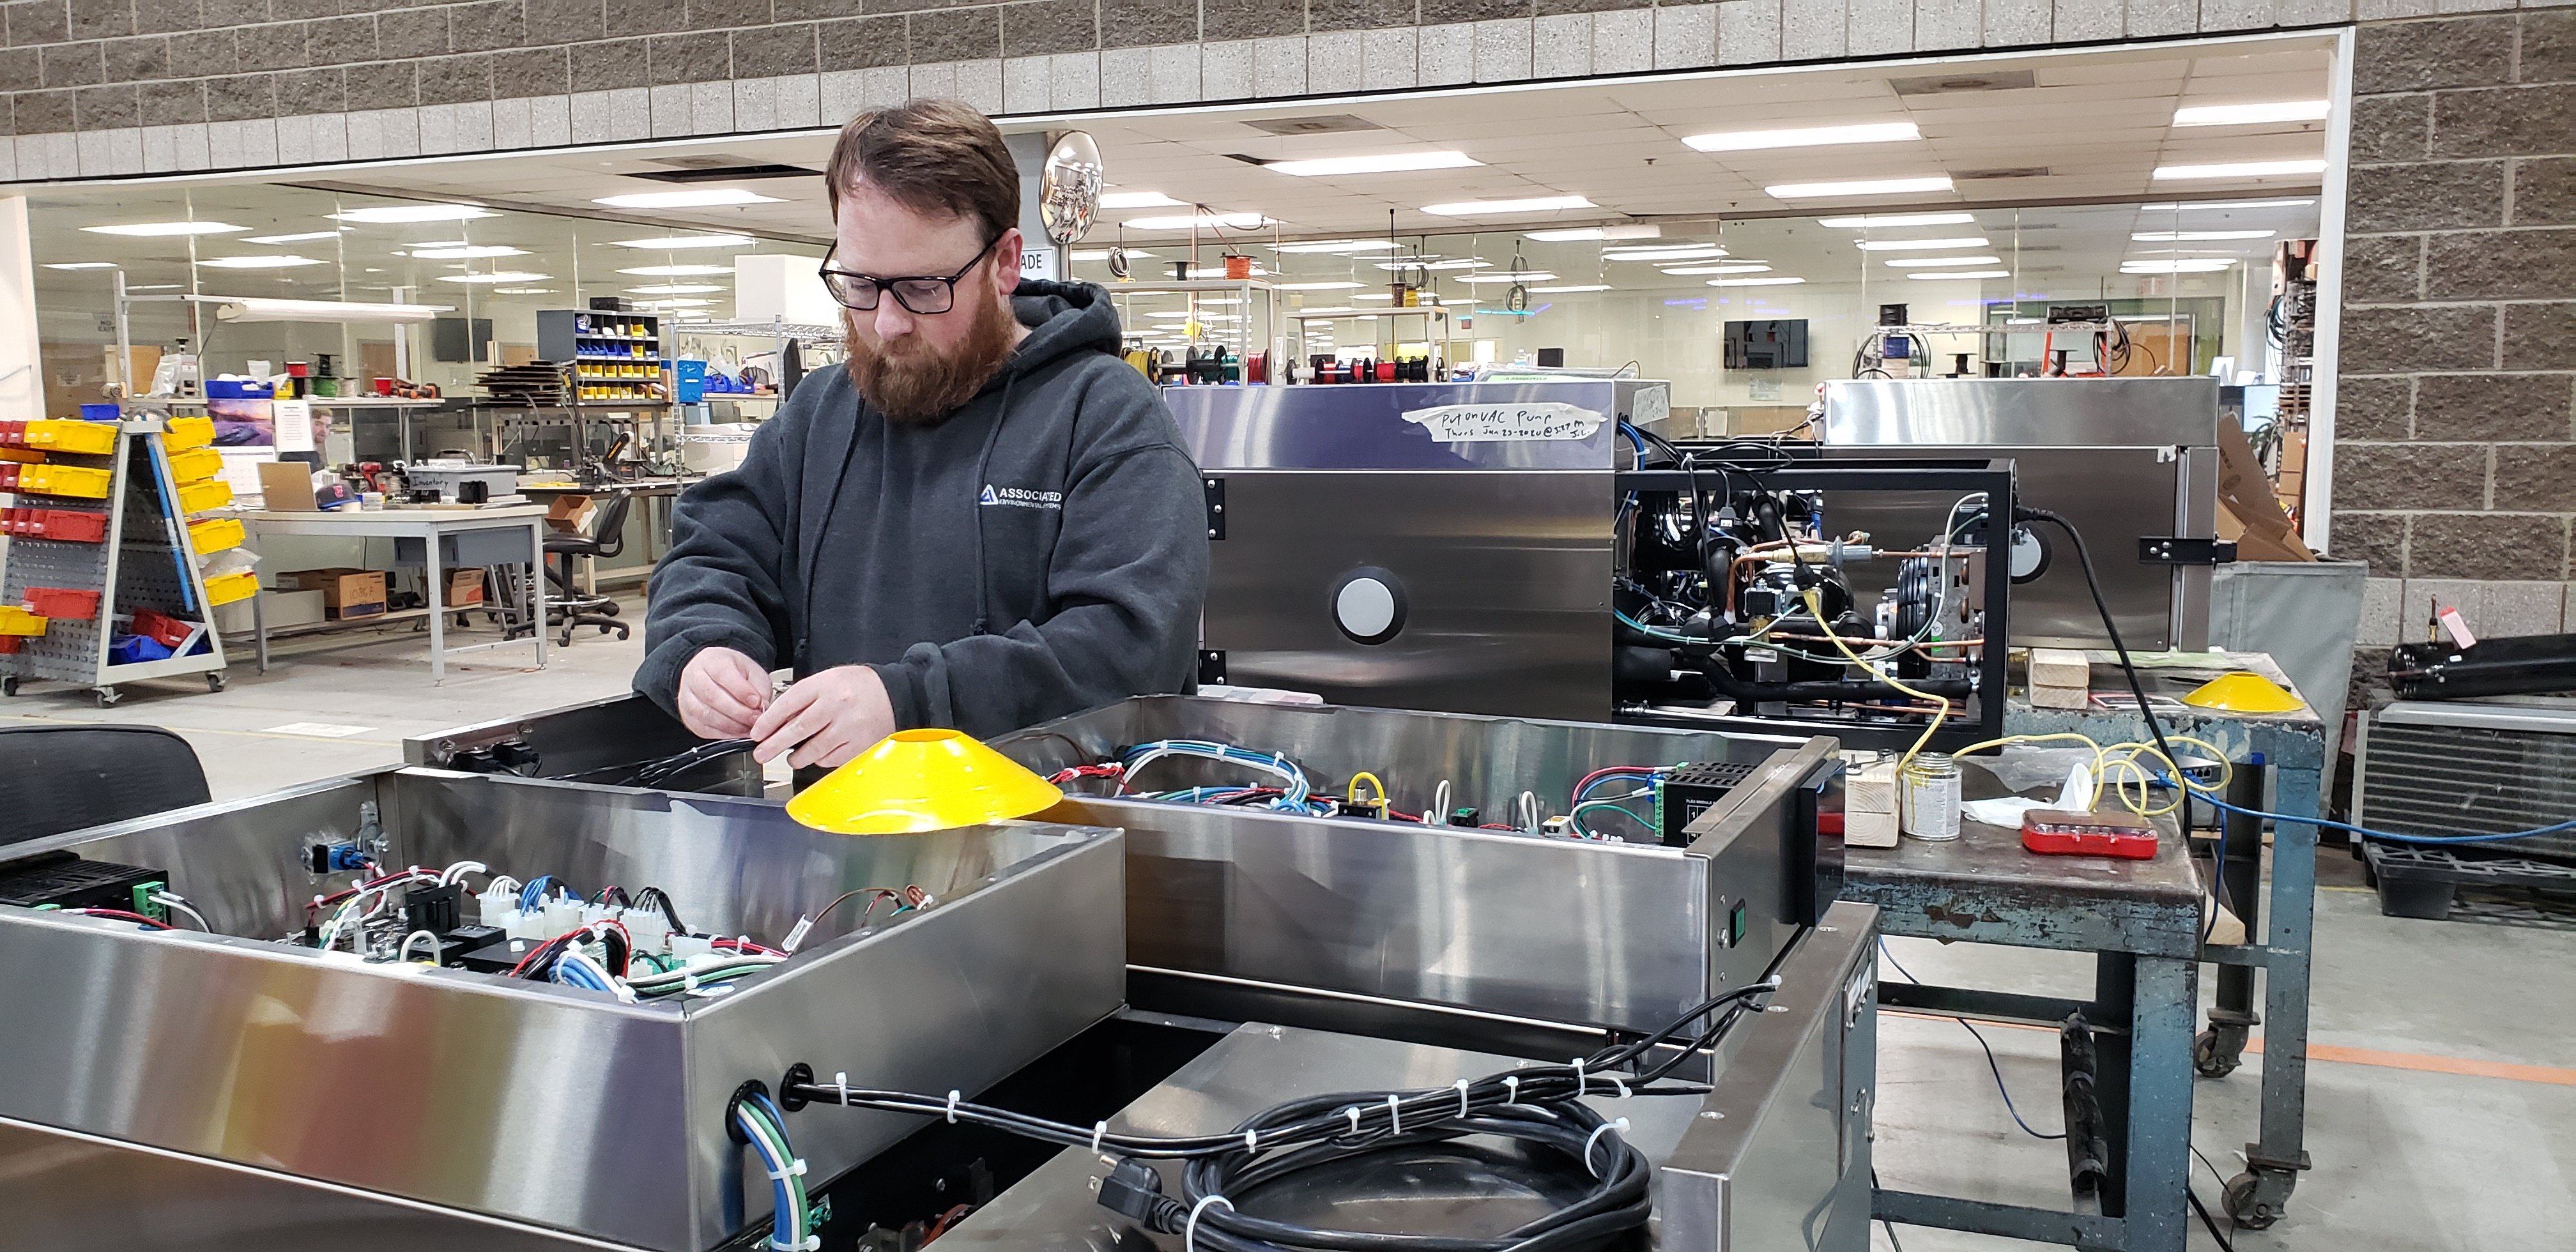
<point x="1928" y="797"/>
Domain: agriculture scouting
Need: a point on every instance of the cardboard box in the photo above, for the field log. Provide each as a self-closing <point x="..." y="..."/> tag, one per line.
<point x="569" y="515"/>
<point x="281" y="608"/>
<point x="346" y="593"/>
<point x="464" y="587"/>
<point x="286" y="487"/>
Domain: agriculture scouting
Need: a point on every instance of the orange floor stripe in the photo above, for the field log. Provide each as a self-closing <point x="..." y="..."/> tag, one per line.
<point x="2415" y="1061"/>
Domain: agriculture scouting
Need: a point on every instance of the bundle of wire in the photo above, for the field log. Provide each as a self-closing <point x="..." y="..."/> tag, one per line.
<point x="1538" y="1104"/>
<point x="1648" y="779"/>
<point x="1293" y="792"/>
<point x="765" y="1129"/>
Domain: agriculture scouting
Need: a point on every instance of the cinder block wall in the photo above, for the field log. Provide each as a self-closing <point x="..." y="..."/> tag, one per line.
<point x="2455" y="424"/>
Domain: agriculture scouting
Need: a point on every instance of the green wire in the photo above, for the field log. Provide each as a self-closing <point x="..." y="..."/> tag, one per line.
<point x="1633" y="815"/>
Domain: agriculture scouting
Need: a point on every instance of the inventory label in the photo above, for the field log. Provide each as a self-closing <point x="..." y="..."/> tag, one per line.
<point x="1495" y="423"/>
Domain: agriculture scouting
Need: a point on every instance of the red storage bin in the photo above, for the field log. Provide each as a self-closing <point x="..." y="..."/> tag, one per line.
<point x="65" y="525"/>
<point x="161" y="628"/>
<point x="62" y="602"/>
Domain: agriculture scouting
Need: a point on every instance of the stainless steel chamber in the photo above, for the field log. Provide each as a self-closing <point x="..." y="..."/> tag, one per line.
<point x="2121" y="458"/>
<point x="234" y="1091"/>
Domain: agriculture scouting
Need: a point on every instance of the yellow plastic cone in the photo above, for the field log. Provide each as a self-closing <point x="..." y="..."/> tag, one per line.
<point x="916" y="780"/>
<point x="2243" y="693"/>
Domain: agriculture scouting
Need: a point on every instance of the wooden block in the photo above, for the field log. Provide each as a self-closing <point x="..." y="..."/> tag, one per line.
<point x="1869" y="800"/>
<point x="2060" y="678"/>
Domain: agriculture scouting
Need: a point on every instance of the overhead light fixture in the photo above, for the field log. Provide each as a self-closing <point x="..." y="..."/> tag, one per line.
<point x="505" y="276"/>
<point x="155" y="230"/>
<point x="1739" y="267"/>
<point x="1509" y="276"/>
<point x="1334" y="311"/>
<point x="523" y="291"/>
<point x="1754" y="282"/>
<point x="1331" y="286"/>
<point x="467" y="252"/>
<point x="1374" y="295"/>
<point x="1460" y="263"/>
<point x="395" y="214"/>
<point x="1169" y="313"/>
<point x="675" y="271"/>
<point x="675" y="304"/>
<point x="1495" y="208"/>
<point x="303" y="237"/>
<point x="2238" y="169"/>
<point x="1569" y="289"/>
<point x="1858" y="187"/>
<point x="1904" y="262"/>
<point x="1962" y="274"/>
<point x="668" y="242"/>
<point x="2250" y="114"/>
<point x="1102" y="254"/>
<point x="2224" y="204"/>
<point x="674" y="289"/>
<point x="1873" y="220"/>
<point x="256" y="262"/>
<point x="1383" y="163"/>
<point x="2198" y="236"/>
<point x="1691" y="252"/>
<point x="1803" y="137"/>
<point x="1140" y="200"/>
<point x="2179" y="265"/>
<point x="80" y="265"/>
<point x="1921" y="245"/>
<point x="1229" y="221"/>
<point x="693" y="198"/>
<point x="1339" y="245"/>
<point x="1581" y="233"/>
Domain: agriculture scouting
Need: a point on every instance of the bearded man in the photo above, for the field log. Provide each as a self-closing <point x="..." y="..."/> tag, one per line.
<point x="985" y="521"/>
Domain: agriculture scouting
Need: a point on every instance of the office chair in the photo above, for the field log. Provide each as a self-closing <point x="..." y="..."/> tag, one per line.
<point x="607" y="537"/>
<point x="59" y="778"/>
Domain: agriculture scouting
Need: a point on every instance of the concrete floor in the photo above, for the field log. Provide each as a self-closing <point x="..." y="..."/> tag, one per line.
<point x="2410" y="1153"/>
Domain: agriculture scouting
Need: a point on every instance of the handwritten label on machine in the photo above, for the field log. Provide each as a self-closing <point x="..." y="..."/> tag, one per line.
<point x="1495" y="423"/>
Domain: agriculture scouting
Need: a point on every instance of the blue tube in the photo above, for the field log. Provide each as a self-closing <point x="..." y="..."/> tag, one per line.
<point x="2212" y="799"/>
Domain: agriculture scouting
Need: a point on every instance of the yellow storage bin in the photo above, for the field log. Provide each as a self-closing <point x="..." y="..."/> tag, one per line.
<point x="199" y="497"/>
<point x="227" y="588"/>
<point x="65" y="480"/>
<point x="22" y="456"/>
<point x="196" y="464"/>
<point x="189" y="432"/>
<point x="215" y="534"/>
<point x="18" y="621"/>
<point x="85" y="438"/>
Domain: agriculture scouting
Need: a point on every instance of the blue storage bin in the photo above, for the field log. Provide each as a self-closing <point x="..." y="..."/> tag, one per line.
<point x="98" y="413"/>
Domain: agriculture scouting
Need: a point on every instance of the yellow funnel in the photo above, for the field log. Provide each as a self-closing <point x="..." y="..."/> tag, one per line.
<point x="915" y="780"/>
<point x="2243" y="693"/>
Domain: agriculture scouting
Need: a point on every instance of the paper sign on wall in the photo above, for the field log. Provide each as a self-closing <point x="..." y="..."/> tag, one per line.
<point x="1493" y="423"/>
<point x="294" y="419"/>
<point x="1037" y="263"/>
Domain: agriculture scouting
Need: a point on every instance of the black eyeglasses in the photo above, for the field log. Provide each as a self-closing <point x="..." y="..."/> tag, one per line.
<point x="923" y="295"/>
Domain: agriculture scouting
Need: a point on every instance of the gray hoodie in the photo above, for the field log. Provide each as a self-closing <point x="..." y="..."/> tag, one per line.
<point x="1041" y="551"/>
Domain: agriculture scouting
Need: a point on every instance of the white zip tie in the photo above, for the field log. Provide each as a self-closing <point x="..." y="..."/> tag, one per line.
<point x="1620" y="1125"/>
<point x="1461" y="1084"/>
<point x="1097" y="1130"/>
<point x="1582" y="1085"/>
<point x="1511" y="1089"/>
<point x="1252" y="1141"/>
<point x="796" y="1170"/>
<point x="1623" y="1087"/>
<point x="1353" y="1113"/>
<point x="1394" y="1115"/>
<point x="841" y="1080"/>
<point x="952" y="1106"/>
<point x="812" y="1243"/>
<point x="1190" y="1232"/>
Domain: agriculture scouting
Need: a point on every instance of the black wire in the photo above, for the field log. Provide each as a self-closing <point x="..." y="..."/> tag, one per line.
<point x="1991" y="1065"/>
<point x="2205" y="1218"/>
<point x="651" y="896"/>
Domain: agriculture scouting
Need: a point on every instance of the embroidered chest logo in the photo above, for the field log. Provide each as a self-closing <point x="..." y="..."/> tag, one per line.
<point x="1020" y="498"/>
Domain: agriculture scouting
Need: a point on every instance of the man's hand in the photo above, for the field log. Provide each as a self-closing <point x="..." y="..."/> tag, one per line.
<point x="722" y="693"/>
<point x="827" y="718"/>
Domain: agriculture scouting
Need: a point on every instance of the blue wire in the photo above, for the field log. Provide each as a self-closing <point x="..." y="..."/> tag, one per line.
<point x="781" y="1221"/>
<point x="534" y="893"/>
<point x="1991" y="1066"/>
<point x="2368" y="833"/>
<point x="1634" y="439"/>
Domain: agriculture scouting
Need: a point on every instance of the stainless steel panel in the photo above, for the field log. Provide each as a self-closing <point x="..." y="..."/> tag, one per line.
<point x="2023" y="412"/>
<point x="1505" y="578"/>
<point x="541" y="1103"/>
<point x="589" y="741"/>
<point x="1559" y="930"/>
<point x="1363" y="426"/>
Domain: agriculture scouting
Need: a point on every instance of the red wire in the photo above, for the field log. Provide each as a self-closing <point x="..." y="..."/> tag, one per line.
<point x="123" y="916"/>
<point x="1607" y="772"/>
<point x="745" y="945"/>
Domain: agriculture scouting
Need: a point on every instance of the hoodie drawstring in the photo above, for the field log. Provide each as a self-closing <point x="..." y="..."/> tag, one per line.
<point x="984" y="476"/>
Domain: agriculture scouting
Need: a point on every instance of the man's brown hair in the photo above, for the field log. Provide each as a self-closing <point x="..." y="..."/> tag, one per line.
<point x="934" y="157"/>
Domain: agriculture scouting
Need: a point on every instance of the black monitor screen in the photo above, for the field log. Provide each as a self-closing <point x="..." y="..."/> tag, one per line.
<point x="1766" y="345"/>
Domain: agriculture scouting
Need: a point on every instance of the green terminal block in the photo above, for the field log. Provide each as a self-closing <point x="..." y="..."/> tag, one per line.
<point x="146" y="905"/>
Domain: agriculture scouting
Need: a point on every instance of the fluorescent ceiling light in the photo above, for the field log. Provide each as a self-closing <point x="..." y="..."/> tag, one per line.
<point x="1140" y="200"/>
<point x="1903" y="262"/>
<point x="1858" y="187"/>
<point x="1870" y="220"/>
<point x="1552" y="291"/>
<point x="1102" y="254"/>
<point x="1962" y="274"/>
<point x="1339" y="245"/>
<point x="257" y="262"/>
<point x="674" y="289"/>
<point x="81" y="265"/>
<point x="1510" y="276"/>
<point x="466" y="252"/>
<point x="1382" y="163"/>
<point x="154" y="286"/>
<point x="505" y="276"/>
<point x="1580" y="233"/>
<point x="1375" y="295"/>
<point x="1740" y="267"/>
<point x="304" y="237"/>
<point x="2239" y="169"/>
<point x="675" y="271"/>
<point x="2198" y="236"/>
<point x="2248" y="114"/>
<point x="1754" y="282"/>
<point x="523" y="291"/>
<point x="694" y="198"/>
<point x="2184" y="265"/>
<point x="385" y="214"/>
<point x="1491" y="208"/>
<point x="1331" y="286"/>
<point x="674" y="304"/>
<point x="1230" y="221"/>
<point x="666" y="242"/>
<point x="154" y="230"/>
<point x="1803" y="137"/>
<point x="1922" y="245"/>
<point x="2224" y="204"/>
<point x="1463" y="263"/>
<point x="1692" y="252"/>
<point x="1169" y="313"/>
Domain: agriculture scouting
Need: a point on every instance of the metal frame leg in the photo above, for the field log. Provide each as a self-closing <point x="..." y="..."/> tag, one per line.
<point x="2156" y="1143"/>
<point x="2258" y="1197"/>
<point x="537" y="583"/>
<point x="2238" y="863"/>
<point x="437" y="592"/>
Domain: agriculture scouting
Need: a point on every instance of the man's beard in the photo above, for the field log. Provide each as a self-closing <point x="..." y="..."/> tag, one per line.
<point x="914" y="383"/>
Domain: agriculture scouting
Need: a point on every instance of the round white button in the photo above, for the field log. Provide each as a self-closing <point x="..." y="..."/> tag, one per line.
<point x="1365" y="607"/>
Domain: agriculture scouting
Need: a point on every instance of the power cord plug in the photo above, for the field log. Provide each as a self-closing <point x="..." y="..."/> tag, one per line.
<point x="1134" y="1190"/>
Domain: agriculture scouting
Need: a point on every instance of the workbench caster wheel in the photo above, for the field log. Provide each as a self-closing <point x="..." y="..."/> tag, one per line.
<point x="214" y="680"/>
<point x="2246" y="1205"/>
<point x="2212" y="1060"/>
<point x="9" y="685"/>
<point x="108" y="696"/>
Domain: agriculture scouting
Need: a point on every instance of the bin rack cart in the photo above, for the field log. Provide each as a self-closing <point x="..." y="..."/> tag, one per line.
<point x="145" y="557"/>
